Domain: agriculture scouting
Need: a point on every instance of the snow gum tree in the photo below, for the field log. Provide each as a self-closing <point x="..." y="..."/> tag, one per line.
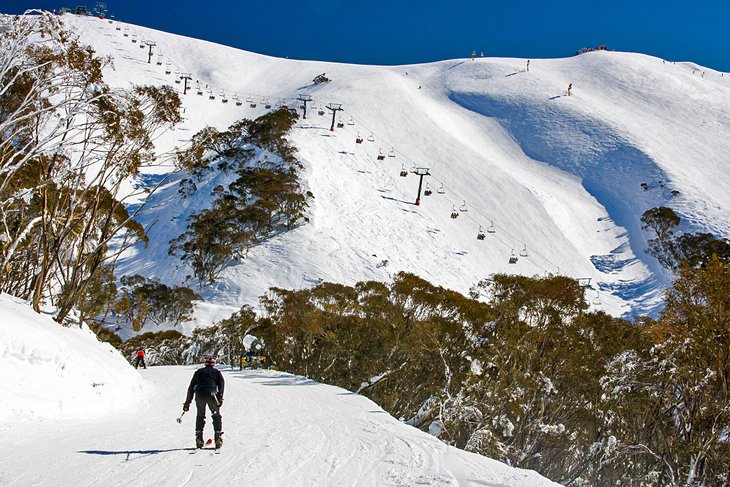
<point x="68" y="142"/>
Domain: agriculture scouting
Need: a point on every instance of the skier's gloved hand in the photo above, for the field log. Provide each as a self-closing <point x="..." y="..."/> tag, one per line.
<point x="220" y="402"/>
<point x="186" y="406"/>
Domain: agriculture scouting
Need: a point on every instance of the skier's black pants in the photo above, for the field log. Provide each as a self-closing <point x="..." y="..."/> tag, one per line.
<point x="138" y="360"/>
<point x="209" y="400"/>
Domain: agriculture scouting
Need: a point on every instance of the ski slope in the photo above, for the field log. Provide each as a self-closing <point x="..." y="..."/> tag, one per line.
<point x="558" y="176"/>
<point x="280" y="429"/>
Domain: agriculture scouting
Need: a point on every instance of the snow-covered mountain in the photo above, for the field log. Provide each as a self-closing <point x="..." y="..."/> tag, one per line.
<point x="559" y="177"/>
<point x="73" y="412"/>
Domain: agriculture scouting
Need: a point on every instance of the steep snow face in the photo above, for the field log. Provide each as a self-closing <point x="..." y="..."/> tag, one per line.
<point x="279" y="429"/>
<point x="558" y="176"/>
<point x="53" y="372"/>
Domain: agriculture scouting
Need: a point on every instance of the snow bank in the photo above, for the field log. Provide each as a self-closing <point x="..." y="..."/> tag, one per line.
<point x="50" y="371"/>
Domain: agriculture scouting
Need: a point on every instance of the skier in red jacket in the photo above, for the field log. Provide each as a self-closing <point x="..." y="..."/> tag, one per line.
<point x="140" y="358"/>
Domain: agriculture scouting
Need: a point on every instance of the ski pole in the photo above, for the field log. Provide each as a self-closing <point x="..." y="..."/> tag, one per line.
<point x="179" y="420"/>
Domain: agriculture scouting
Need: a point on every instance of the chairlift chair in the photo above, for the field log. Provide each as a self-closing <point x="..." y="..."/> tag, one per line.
<point x="119" y="28"/>
<point x="480" y="235"/>
<point x="454" y="213"/>
<point x="223" y="97"/>
<point x="403" y="172"/>
<point x="428" y="191"/>
<point x="381" y="156"/>
<point x="597" y="300"/>
<point x="441" y="189"/>
<point x="512" y="257"/>
<point x="267" y="105"/>
<point x="391" y="153"/>
<point x="490" y="228"/>
<point x="371" y="137"/>
<point x="358" y="139"/>
<point x="463" y="208"/>
<point x="141" y="46"/>
<point x="211" y="96"/>
<point x="351" y="121"/>
<point x="523" y="252"/>
<point x="340" y="123"/>
<point x="320" y="111"/>
<point x="159" y="61"/>
<point x="134" y="38"/>
<point x="249" y="99"/>
<point x="126" y="32"/>
<point x="178" y="81"/>
<point x="199" y="91"/>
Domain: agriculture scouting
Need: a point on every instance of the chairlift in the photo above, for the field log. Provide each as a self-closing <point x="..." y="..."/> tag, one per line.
<point x="340" y="123"/>
<point x="178" y="81"/>
<point x="168" y="71"/>
<point x="211" y="96"/>
<point x="403" y="172"/>
<point x="321" y="110"/>
<point x="441" y="190"/>
<point x="490" y="228"/>
<point x="199" y="91"/>
<point x="381" y="156"/>
<point x="454" y="213"/>
<point x="597" y="300"/>
<point x="480" y="235"/>
<point x="134" y="38"/>
<point x="463" y="208"/>
<point x="523" y="252"/>
<point x="223" y="97"/>
<point x="371" y="137"/>
<point x="126" y="32"/>
<point x="358" y="139"/>
<point x="159" y="61"/>
<point x="351" y="121"/>
<point x="267" y="105"/>
<point x="391" y="153"/>
<point x="249" y="99"/>
<point x="428" y="191"/>
<point x="141" y="46"/>
<point x="252" y="104"/>
<point x="119" y="28"/>
<point x="512" y="257"/>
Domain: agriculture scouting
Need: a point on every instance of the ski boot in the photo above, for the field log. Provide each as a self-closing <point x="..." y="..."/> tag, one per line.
<point x="218" y="439"/>
<point x="199" y="442"/>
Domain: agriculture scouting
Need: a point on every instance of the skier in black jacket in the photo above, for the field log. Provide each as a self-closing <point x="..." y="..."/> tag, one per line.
<point x="207" y="385"/>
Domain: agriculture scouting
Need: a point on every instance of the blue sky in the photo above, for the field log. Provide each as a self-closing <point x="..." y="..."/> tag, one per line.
<point x="404" y="32"/>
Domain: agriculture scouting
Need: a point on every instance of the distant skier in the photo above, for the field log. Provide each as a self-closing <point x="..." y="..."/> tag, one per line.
<point x="140" y="358"/>
<point x="207" y="385"/>
<point x="570" y="88"/>
<point x="528" y="65"/>
<point x="473" y="54"/>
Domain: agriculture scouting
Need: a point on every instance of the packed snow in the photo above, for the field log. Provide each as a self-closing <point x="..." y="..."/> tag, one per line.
<point x="559" y="177"/>
<point x="279" y="429"/>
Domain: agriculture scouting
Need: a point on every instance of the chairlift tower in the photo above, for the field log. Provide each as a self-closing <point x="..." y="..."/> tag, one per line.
<point x="150" y="44"/>
<point x="185" y="77"/>
<point x="334" y="107"/>
<point x="305" y="99"/>
<point x="421" y="172"/>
